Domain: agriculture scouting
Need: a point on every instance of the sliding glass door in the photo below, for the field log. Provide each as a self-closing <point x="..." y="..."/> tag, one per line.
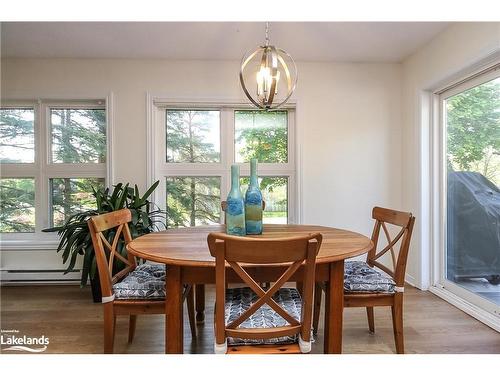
<point x="471" y="187"/>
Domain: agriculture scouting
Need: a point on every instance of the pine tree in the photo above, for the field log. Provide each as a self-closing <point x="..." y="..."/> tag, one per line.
<point x="78" y="136"/>
<point x="191" y="200"/>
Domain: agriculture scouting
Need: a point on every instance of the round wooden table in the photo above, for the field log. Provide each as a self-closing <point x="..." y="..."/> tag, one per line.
<point x="186" y="253"/>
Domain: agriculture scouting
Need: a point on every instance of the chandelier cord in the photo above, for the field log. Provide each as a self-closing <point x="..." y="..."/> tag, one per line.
<point x="267" y="34"/>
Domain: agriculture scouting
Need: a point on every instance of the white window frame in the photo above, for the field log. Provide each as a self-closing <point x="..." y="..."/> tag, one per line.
<point x="159" y="169"/>
<point x="479" y="307"/>
<point x="42" y="170"/>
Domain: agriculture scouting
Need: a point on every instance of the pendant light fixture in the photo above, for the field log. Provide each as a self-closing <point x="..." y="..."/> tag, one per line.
<point x="266" y="72"/>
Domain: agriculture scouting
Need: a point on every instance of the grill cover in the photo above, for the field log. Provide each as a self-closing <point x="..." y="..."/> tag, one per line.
<point x="473" y="227"/>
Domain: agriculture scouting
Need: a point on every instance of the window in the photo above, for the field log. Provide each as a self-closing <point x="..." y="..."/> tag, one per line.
<point x="193" y="148"/>
<point x="70" y="195"/>
<point x="193" y="201"/>
<point x="53" y="154"/>
<point x="470" y="177"/>
<point x="275" y="194"/>
<point x="17" y="135"/>
<point x="261" y="135"/>
<point x="17" y="197"/>
<point x="78" y="136"/>
<point x="193" y="136"/>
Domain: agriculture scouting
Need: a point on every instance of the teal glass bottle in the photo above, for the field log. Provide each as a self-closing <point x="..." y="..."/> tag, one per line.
<point x="235" y="211"/>
<point x="253" y="202"/>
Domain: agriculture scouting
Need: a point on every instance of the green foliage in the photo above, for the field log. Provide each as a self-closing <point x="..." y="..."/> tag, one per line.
<point x="187" y="136"/>
<point x="473" y="129"/>
<point x="193" y="201"/>
<point x="17" y="205"/>
<point x="75" y="237"/>
<point x="274" y="192"/>
<point x="78" y="135"/>
<point x="196" y="200"/>
<point x="16" y="135"/>
<point x="262" y="136"/>
<point x="72" y="195"/>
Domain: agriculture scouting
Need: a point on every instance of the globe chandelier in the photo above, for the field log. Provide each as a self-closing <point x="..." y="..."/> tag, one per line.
<point x="261" y="72"/>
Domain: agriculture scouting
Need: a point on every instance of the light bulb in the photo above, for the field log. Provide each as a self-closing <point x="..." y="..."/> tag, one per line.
<point x="264" y="82"/>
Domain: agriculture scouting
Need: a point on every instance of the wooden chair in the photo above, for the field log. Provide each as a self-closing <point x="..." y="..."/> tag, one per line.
<point x="366" y="287"/>
<point x="286" y="321"/>
<point x="122" y="292"/>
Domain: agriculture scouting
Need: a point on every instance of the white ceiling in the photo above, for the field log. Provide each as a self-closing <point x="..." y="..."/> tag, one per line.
<point x="305" y="41"/>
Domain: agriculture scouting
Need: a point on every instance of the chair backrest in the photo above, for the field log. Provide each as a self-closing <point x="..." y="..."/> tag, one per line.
<point x="238" y="251"/>
<point x="404" y="221"/>
<point x="110" y="236"/>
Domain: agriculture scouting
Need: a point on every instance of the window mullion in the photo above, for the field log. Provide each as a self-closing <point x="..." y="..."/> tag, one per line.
<point x="41" y="157"/>
<point x="227" y="130"/>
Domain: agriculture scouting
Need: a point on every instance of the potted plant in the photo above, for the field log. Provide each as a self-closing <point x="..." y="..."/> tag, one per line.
<point x="75" y="240"/>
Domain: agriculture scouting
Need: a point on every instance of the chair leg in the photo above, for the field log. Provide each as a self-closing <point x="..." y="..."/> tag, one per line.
<point x="109" y="328"/>
<point x="318" y="293"/>
<point x="131" y="328"/>
<point x="371" y="319"/>
<point x="397" y="323"/>
<point x="190" y="307"/>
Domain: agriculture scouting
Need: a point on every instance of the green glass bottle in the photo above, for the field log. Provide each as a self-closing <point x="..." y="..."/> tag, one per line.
<point x="253" y="202"/>
<point x="235" y="211"/>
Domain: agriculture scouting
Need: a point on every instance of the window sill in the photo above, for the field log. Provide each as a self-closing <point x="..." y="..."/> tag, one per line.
<point x="29" y="245"/>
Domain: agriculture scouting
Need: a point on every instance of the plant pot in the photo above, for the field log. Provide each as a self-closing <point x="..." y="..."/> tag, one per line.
<point x="95" y="284"/>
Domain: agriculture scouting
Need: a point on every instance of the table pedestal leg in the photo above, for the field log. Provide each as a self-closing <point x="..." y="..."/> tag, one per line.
<point x="200" y="303"/>
<point x="334" y="309"/>
<point x="174" y="325"/>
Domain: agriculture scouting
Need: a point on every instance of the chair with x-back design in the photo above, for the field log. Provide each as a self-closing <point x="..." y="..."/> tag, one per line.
<point x="364" y="286"/>
<point x="134" y="289"/>
<point x="254" y="320"/>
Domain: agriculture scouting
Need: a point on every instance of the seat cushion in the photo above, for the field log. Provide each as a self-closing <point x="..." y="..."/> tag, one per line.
<point x="147" y="281"/>
<point x="238" y="300"/>
<point x="360" y="277"/>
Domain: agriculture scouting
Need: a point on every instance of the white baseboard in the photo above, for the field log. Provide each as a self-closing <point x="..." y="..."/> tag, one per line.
<point x="483" y="316"/>
<point x="411" y="280"/>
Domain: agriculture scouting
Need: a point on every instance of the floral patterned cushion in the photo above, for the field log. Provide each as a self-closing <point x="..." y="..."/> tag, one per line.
<point x="147" y="281"/>
<point x="360" y="277"/>
<point x="238" y="300"/>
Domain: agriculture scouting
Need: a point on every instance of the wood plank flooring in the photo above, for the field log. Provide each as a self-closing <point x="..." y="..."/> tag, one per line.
<point x="73" y="324"/>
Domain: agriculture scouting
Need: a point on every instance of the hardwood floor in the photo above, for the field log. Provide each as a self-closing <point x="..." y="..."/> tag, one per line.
<point x="73" y="324"/>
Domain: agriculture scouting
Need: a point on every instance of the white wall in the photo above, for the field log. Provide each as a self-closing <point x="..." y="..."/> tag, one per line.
<point x="348" y="119"/>
<point x="454" y="50"/>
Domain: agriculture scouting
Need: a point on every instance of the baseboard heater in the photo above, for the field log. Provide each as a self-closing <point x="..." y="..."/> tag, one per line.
<point x="10" y="277"/>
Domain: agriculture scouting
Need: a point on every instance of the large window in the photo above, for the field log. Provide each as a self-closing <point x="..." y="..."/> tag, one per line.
<point x="52" y="154"/>
<point x="470" y="258"/>
<point x="194" y="148"/>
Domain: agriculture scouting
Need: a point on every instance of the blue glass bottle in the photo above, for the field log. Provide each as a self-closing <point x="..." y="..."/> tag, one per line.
<point x="235" y="211"/>
<point x="253" y="202"/>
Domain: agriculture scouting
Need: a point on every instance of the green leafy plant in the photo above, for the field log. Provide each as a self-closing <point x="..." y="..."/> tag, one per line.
<point x="75" y="237"/>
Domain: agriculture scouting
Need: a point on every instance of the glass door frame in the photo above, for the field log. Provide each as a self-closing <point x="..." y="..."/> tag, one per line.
<point x="440" y="204"/>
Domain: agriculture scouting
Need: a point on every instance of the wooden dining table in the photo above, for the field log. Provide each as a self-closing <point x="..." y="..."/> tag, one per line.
<point x="185" y="252"/>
